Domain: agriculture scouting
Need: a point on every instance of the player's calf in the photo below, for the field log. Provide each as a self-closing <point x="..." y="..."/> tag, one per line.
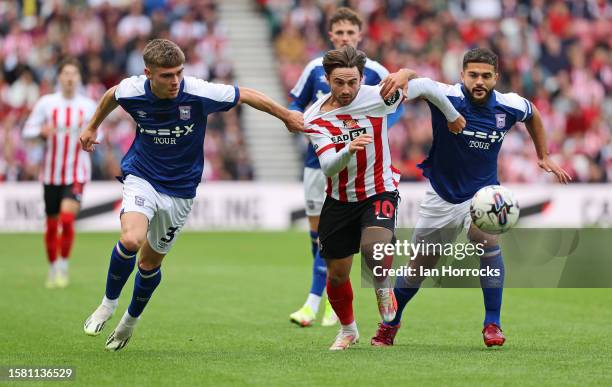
<point x="378" y="264"/>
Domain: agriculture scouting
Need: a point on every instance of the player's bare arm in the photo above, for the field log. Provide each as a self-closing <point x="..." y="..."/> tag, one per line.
<point x="293" y="120"/>
<point x="535" y="127"/>
<point x="396" y="81"/>
<point x="107" y="104"/>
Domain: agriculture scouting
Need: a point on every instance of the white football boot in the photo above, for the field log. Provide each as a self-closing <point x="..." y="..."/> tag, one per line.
<point x="347" y="336"/>
<point x="96" y="322"/>
<point x="122" y="334"/>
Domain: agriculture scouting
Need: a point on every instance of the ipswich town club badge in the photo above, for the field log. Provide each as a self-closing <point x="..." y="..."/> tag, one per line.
<point x="184" y="112"/>
<point x="501" y="120"/>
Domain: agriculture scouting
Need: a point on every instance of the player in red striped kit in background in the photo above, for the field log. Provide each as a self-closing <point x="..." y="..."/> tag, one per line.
<point x="58" y="119"/>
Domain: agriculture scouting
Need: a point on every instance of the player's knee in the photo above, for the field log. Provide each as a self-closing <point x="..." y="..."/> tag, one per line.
<point x="67" y="220"/>
<point x="337" y="278"/>
<point x="132" y="241"/>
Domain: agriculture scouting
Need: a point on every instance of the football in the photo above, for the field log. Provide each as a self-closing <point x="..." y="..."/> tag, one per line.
<point x="494" y="209"/>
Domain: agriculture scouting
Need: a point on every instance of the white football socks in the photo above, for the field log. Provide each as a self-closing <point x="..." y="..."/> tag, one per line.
<point x="111" y="304"/>
<point x="350" y="328"/>
<point x="313" y="301"/>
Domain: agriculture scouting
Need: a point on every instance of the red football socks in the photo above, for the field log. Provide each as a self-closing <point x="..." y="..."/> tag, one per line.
<point x="51" y="239"/>
<point x="341" y="299"/>
<point x="67" y="222"/>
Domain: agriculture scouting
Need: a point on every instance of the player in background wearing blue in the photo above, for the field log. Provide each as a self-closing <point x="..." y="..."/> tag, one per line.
<point x="344" y="30"/>
<point x="161" y="170"/>
<point x="458" y="165"/>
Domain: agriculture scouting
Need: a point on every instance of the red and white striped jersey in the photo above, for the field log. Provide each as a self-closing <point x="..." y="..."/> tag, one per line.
<point x="369" y="171"/>
<point x="65" y="162"/>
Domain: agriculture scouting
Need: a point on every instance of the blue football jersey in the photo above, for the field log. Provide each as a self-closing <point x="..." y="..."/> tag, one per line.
<point x="458" y="165"/>
<point x="312" y="85"/>
<point x="168" y="150"/>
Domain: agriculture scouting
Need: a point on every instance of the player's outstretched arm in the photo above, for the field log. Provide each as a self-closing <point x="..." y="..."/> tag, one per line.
<point x="535" y="127"/>
<point x="428" y="89"/>
<point x="396" y="81"/>
<point x="107" y="104"/>
<point x="293" y="120"/>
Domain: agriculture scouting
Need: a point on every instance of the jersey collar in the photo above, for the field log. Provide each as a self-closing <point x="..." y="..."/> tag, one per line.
<point x="153" y="98"/>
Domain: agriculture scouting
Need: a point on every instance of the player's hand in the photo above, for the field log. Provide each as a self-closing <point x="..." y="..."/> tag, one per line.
<point x="395" y="81"/>
<point x="294" y="121"/>
<point x="457" y="126"/>
<point x="88" y="139"/>
<point x="550" y="166"/>
<point x="360" y="143"/>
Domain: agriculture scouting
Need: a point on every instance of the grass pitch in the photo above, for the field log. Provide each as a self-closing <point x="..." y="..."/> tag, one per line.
<point x="220" y="317"/>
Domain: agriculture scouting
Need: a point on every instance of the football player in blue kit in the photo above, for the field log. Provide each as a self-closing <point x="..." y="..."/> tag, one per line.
<point x="458" y="165"/>
<point x="161" y="170"/>
<point x="344" y="30"/>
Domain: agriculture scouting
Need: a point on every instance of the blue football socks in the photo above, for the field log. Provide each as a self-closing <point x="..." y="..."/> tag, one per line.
<point x="492" y="285"/>
<point x="121" y="265"/>
<point x="144" y="285"/>
<point x="319" y="268"/>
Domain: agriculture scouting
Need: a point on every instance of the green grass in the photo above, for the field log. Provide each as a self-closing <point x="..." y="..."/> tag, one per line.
<point x="220" y="317"/>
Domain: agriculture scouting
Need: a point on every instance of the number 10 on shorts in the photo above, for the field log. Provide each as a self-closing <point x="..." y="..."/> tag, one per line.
<point x="384" y="207"/>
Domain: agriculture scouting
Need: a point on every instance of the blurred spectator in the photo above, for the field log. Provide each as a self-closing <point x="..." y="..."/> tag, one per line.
<point x="135" y="24"/>
<point x="555" y="53"/>
<point x="23" y="93"/>
<point x="108" y="37"/>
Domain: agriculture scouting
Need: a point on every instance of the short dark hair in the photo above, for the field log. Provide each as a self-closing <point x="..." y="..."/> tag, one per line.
<point x="68" y="61"/>
<point x="345" y="57"/>
<point x="344" y="13"/>
<point x="162" y="53"/>
<point x="480" y="55"/>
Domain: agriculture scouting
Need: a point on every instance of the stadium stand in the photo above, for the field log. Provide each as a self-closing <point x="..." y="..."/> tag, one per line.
<point x="107" y="36"/>
<point x="555" y="53"/>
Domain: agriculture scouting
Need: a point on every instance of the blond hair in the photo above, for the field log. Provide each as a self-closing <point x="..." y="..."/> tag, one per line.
<point x="163" y="53"/>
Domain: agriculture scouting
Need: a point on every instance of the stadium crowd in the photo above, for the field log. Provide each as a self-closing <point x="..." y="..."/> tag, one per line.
<point x="555" y="53"/>
<point x="108" y="36"/>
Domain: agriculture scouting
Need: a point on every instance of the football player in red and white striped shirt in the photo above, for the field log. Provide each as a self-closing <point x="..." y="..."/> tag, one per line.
<point x="348" y="129"/>
<point x="58" y="119"/>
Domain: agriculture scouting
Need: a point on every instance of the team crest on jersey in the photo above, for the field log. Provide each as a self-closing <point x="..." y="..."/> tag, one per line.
<point x="351" y="124"/>
<point x="185" y="112"/>
<point x="500" y="119"/>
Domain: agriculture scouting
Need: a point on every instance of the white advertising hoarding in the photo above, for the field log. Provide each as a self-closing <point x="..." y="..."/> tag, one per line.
<point x="279" y="206"/>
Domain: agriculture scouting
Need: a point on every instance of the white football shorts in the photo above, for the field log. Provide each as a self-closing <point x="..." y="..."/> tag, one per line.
<point x="167" y="215"/>
<point x="441" y="218"/>
<point x="314" y="190"/>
